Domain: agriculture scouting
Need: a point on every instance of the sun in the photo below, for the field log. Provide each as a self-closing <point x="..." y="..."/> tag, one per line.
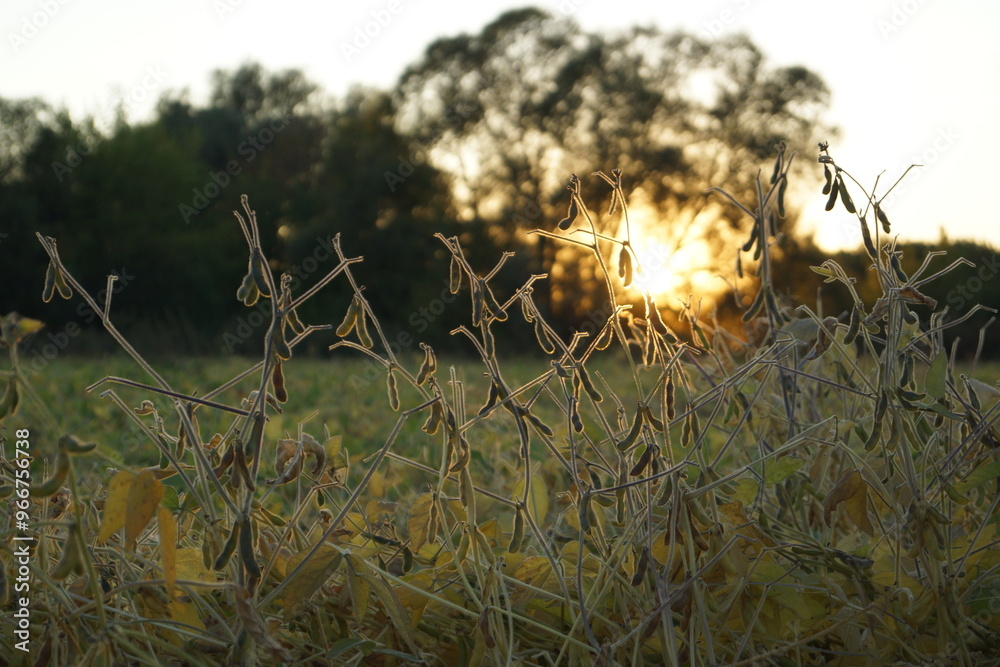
<point x="670" y="274"/>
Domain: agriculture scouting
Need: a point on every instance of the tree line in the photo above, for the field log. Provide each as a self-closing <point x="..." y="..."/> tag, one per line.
<point x="477" y="140"/>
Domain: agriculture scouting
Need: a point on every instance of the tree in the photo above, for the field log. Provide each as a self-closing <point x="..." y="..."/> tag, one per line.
<point x="512" y="111"/>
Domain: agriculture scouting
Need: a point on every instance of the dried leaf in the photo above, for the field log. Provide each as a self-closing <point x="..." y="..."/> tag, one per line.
<point x="144" y="495"/>
<point x="310" y="578"/>
<point x="113" y="516"/>
<point x="168" y="546"/>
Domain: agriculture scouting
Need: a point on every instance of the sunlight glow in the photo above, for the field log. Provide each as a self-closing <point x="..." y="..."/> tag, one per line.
<point x="670" y="271"/>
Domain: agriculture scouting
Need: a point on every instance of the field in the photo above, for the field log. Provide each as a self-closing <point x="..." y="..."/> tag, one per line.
<point x="633" y="495"/>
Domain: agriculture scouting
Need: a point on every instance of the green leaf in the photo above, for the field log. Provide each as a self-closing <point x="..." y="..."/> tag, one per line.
<point x="342" y="645"/>
<point x="781" y="469"/>
<point x="935" y="382"/>
<point x="746" y="491"/>
<point x="979" y="476"/>
<point x="170" y="499"/>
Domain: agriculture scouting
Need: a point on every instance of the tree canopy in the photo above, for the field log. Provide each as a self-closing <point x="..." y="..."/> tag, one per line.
<point x="477" y="139"/>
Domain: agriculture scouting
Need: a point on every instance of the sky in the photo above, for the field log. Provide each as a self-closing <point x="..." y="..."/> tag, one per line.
<point x="912" y="81"/>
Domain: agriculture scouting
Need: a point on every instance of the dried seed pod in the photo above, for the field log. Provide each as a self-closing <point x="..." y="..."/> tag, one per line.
<point x="392" y="391"/>
<point x="11" y="399"/>
<point x="206" y="550"/>
<point x="543" y="338"/>
<point x="671" y="411"/>
<point x="492" y="399"/>
<point x="854" y="327"/>
<point x="258" y="269"/>
<point x="489" y="343"/>
<point x="574" y="415"/>
<point x="61" y="286"/>
<point x="754" y="235"/>
<point x="350" y="318"/>
<point x="739" y="265"/>
<point x="256" y="434"/>
<point x="428" y="366"/>
<point x="434" y="419"/>
<point x="644" y="459"/>
<point x="466" y="490"/>
<point x="247" y="555"/>
<point x="571" y="214"/>
<point x="294" y="323"/>
<point x="828" y="175"/>
<point x="229" y="548"/>
<point x="464" y="456"/>
<point x="362" y="327"/>
<point x="50" y="283"/>
<point x="588" y="385"/>
<point x="517" y="534"/>
<point x="455" y="275"/>
<point x="866" y="236"/>
<point x="499" y="314"/>
<point x="640" y="567"/>
<point x="478" y="302"/>
<point x="248" y="292"/>
<point x="781" y="198"/>
<point x="529" y="317"/>
<point x="539" y="424"/>
<point x="607" y="335"/>
<point x="845" y="197"/>
<point x="651" y="419"/>
<point x="897" y="268"/>
<point x="633" y="433"/>
<point x="881" y="216"/>
<point x="755" y="306"/>
<point x="278" y="383"/>
<point x="625" y="265"/>
<point x="834" y="191"/>
<point x="71" y="561"/>
<point x="281" y="348"/>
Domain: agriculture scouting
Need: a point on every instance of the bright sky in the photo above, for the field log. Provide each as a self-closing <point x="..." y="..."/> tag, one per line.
<point x="912" y="80"/>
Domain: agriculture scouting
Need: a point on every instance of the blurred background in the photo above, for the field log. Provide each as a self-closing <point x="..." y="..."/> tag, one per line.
<point x="129" y="133"/>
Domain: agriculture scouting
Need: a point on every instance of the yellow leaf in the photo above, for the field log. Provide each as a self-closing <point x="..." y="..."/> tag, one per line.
<point x="113" y="517"/>
<point x="186" y="613"/>
<point x="333" y="446"/>
<point x="144" y="495"/>
<point x="168" y="546"/>
<point x="538" y="500"/>
<point x="746" y="491"/>
<point x="419" y="520"/>
<point x="308" y="580"/>
<point x="376" y="485"/>
<point x="533" y="571"/>
<point x="190" y="567"/>
<point x="852" y="491"/>
<point x="358" y="584"/>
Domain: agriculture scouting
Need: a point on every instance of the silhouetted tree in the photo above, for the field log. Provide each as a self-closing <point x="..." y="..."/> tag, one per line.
<point x="514" y="109"/>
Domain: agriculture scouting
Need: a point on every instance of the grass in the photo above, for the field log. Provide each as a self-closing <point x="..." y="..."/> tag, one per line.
<point x="824" y="496"/>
